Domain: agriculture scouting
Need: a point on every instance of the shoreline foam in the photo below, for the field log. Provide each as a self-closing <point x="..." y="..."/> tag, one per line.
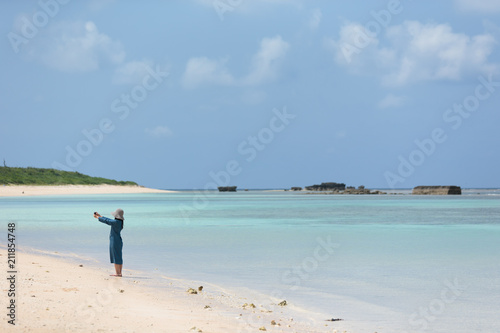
<point x="33" y="190"/>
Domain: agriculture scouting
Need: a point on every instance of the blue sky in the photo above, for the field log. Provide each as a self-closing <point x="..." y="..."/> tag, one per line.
<point x="253" y="93"/>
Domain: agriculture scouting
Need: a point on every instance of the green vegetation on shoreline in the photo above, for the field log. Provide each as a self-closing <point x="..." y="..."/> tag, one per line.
<point x="39" y="176"/>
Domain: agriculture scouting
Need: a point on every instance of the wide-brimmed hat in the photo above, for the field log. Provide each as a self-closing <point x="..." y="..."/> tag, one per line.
<point x="118" y="214"/>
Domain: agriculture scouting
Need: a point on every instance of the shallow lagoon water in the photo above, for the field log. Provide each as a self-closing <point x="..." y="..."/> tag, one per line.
<point x="388" y="263"/>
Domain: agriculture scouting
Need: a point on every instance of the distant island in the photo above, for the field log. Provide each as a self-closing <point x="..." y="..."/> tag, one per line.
<point x="40" y="176"/>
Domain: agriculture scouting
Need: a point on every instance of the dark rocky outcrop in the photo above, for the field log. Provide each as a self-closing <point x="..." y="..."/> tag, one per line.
<point x="327" y="187"/>
<point x="340" y="188"/>
<point x="227" y="188"/>
<point x="296" y="188"/>
<point x="361" y="190"/>
<point x="437" y="190"/>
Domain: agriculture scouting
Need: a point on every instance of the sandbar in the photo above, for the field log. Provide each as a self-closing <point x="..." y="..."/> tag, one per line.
<point x="30" y="190"/>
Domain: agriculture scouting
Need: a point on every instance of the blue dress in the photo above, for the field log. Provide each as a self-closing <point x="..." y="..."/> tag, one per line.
<point x="115" y="239"/>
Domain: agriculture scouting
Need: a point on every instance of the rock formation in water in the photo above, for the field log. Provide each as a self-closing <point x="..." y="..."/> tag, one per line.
<point x="340" y="188"/>
<point x="227" y="188"/>
<point x="437" y="190"/>
<point x="327" y="187"/>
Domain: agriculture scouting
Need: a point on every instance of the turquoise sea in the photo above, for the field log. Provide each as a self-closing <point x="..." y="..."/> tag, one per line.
<point x="388" y="263"/>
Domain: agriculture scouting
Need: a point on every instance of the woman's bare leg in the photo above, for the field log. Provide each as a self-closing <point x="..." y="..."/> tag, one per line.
<point x="118" y="269"/>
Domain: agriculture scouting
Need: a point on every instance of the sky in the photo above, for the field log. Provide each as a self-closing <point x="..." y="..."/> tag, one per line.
<point x="196" y="94"/>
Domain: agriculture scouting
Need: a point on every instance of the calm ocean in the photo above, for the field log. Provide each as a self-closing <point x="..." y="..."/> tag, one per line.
<point x="391" y="263"/>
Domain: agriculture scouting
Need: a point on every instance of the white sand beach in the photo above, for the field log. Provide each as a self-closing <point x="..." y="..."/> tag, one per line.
<point x="29" y="190"/>
<point x="55" y="294"/>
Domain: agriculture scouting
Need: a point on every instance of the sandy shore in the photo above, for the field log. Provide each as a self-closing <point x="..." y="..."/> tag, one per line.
<point x="28" y="190"/>
<point x="56" y="294"/>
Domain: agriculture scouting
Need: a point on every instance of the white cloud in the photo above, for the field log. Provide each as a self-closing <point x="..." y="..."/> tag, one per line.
<point x="413" y="52"/>
<point x="265" y="61"/>
<point x="352" y="41"/>
<point x="482" y="6"/>
<point x="131" y="72"/>
<point x="77" y="47"/>
<point x="159" y="132"/>
<point x="434" y="52"/>
<point x="315" y="19"/>
<point x="201" y="70"/>
<point x="391" y="101"/>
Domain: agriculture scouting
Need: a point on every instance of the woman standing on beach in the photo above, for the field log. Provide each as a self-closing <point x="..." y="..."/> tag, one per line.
<point x="115" y="238"/>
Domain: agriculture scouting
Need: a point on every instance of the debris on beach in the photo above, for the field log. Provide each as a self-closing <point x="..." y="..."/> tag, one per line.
<point x="200" y="288"/>
<point x="262" y="329"/>
<point x="80" y="265"/>
<point x="251" y="305"/>
<point x="192" y="291"/>
<point x="334" y="319"/>
<point x="207" y="307"/>
<point x="282" y="303"/>
<point x="274" y="323"/>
